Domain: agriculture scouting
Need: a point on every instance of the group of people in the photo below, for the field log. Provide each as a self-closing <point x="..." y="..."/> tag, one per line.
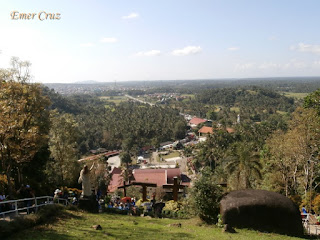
<point x="306" y="216"/>
<point x="65" y="194"/>
<point x="27" y="192"/>
<point x="128" y="204"/>
<point x="24" y="192"/>
<point x="2" y="198"/>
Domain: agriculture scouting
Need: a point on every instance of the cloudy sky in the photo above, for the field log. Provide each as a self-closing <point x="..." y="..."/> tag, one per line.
<point x="123" y="40"/>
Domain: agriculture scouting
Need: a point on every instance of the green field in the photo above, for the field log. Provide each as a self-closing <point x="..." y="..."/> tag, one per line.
<point x="281" y="112"/>
<point x="235" y="109"/>
<point x="171" y="155"/>
<point x="295" y="95"/>
<point x="188" y="95"/>
<point x="78" y="225"/>
<point x="115" y="99"/>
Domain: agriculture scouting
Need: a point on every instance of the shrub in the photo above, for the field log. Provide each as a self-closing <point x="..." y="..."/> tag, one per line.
<point x="175" y="214"/>
<point x="316" y="204"/>
<point x="172" y="205"/>
<point x="45" y="214"/>
<point x="206" y="196"/>
<point x="296" y="199"/>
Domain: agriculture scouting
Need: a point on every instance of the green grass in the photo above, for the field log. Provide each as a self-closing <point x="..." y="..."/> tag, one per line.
<point x="79" y="226"/>
<point x="188" y="95"/>
<point x="217" y="108"/>
<point x="235" y="109"/>
<point x="295" y="95"/>
<point x="281" y="112"/>
<point x="115" y="99"/>
<point x="171" y="155"/>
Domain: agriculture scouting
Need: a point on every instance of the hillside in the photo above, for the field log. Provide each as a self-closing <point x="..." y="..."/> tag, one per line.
<point x="79" y="226"/>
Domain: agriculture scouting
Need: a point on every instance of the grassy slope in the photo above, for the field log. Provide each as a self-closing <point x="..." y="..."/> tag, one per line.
<point x="295" y="95"/>
<point x="115" y="99"/>
<point x="129" y="227"/>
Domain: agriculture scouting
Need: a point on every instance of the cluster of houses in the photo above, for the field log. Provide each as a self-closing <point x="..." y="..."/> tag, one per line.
<point x="206" y="129"/>
<point x="162" y="98"/>
<point x="149" y="178"/>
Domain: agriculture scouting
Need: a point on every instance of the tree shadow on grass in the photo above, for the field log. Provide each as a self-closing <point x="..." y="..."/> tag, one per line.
<point x="120" y="232"/>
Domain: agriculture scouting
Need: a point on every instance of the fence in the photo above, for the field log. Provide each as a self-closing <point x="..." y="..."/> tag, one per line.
<point x="27" y="205"/>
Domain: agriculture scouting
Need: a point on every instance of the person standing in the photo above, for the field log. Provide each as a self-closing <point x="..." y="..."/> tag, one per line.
<point x="85" y="180"/>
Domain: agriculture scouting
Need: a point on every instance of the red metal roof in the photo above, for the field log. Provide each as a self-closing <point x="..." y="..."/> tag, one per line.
<point x="116" y="180"/>
<point x="95" y="157"/>
<point x="205" y="129"/>
<point x="197" y="121"/>
<point x="158" y="176"/>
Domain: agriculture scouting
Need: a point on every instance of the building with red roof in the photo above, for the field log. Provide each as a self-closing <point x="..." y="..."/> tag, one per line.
<point x="116" y="180"/>
<point x="205" y="130"/>
<point x="160" y="177"/>
<point x="196" y="121"/>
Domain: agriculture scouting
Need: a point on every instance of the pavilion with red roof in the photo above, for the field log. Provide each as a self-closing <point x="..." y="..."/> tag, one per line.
<point x="160" y="177"/>
<point x="194" y="122"/>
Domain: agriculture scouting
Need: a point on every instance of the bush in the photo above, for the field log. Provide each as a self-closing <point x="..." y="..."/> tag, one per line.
<point x="172" y="205"/>
<point x="180" y="214"/>
<point x="174" y="209"/>
<point x="316" y="204"/>
<point x="296" y="199"/>
<point x="206" y="196"/>
<point x="45" y="214"/>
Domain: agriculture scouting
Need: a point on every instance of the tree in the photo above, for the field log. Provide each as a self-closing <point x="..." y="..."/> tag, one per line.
<point x="179" y="130"/>
<point x="294" y="154"/>
<point x="206" y="195"/>
<point x="312" y="101"/>
<point x="211" y="114"/>
<point x="243" y="163"/>
<point x="278" y="162"/>
<point x="101" y="176"/>
<point x="125" y="158"/>
<point x="125" y="161"/>
<point x="23" y="120"/>
<point x="213" y="150"/>
<point x="64" y="167"/>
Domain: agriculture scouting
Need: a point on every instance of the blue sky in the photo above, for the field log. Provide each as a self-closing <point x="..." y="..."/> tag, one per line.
<point x="127" y="40"/>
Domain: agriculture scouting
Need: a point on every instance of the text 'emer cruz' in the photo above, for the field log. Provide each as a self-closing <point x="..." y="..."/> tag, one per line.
<point x="15" y="15"/>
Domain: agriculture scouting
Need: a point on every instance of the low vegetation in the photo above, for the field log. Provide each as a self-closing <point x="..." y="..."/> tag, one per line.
<point x="47" y="214"/>
<point x="79" y="225"/>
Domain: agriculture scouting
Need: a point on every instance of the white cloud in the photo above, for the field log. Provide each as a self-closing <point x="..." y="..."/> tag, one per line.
<point x="269" y="65"/>
<point x="295" y="63"/>
<point x="302" y="47"/>
<point x="109" y="40"/>
<point x="233" y="49"/>
<point x="245" y="66"/>
<point x="131" y="15"/>
<point x="189" y="50"/>
<point x="86" y="45"/>
<point x="149" y="53"/>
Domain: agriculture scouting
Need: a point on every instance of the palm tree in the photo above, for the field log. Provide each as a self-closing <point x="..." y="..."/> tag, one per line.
<point x="244" y="163"/>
